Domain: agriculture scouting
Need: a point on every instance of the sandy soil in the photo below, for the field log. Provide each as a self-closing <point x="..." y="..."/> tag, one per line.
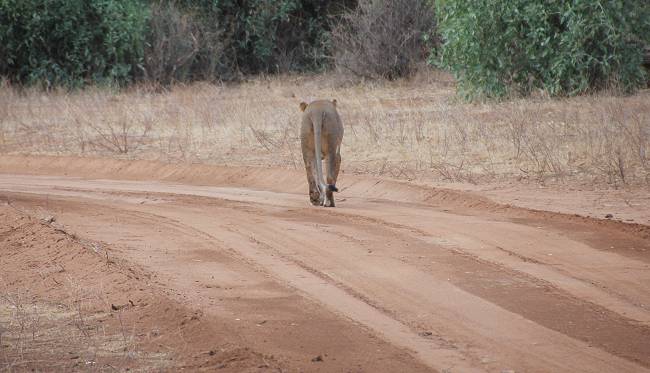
<point x="230" y="268"/>
<point x="630" y="205"/>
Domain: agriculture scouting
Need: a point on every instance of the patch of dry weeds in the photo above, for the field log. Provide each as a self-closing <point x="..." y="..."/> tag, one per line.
<point x="406" y="129"/>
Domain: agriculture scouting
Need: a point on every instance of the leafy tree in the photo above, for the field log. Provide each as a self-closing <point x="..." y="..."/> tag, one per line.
<point x="71" y="42"/>
<point x="496" y="48"/>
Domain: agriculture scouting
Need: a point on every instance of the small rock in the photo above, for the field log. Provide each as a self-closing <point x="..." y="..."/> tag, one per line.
<point x="317" y="358"/>
<point x="425" y="334"/>
<point x="49" y="219"/>
<point x="609" y="216"/>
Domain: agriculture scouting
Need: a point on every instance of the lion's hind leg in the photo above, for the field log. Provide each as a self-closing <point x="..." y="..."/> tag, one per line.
<point x="314" y="190"/>
<point x="333" y="166"/>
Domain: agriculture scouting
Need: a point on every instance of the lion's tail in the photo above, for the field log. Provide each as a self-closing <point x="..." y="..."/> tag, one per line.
<point x="317" y="122"/>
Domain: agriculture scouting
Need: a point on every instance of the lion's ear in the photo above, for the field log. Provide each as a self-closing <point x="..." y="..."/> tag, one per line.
<point x="303" y="106"/>
<point x="334" y="102"/>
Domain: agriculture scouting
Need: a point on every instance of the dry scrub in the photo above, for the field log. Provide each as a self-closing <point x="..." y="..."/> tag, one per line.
<point x="54" y="314"/>
<point x="405" y="129"/>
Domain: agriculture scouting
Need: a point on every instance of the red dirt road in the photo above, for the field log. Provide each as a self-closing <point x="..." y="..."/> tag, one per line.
<point x="397" y="278"/>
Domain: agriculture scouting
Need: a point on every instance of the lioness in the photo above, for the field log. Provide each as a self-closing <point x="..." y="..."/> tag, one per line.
<point x="320" y="137"/>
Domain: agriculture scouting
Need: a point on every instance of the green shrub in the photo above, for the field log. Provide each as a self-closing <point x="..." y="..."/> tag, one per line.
<point x="76" y="42"/>
<point x="71" y="42"/>
<point x="496" y="48"/>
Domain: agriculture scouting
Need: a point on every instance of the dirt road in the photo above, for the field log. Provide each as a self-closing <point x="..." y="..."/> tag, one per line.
<point x="397" y="277"/>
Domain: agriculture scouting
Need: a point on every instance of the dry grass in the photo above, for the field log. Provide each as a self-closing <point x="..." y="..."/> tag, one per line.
<point x="404" y="129"/>
<point x="68" y="336"/>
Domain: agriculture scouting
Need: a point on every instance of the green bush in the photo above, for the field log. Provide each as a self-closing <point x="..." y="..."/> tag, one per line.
<point x="76" y="42"/>
<point x="71" y="42"/>
<point x="497" y="48"/>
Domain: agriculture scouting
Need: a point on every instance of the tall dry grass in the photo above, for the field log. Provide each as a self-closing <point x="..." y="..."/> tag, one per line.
<point x="405" y="129"/>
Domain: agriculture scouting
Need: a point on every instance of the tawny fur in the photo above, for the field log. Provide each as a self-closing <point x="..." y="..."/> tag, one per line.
<point x="321" y="133"/>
